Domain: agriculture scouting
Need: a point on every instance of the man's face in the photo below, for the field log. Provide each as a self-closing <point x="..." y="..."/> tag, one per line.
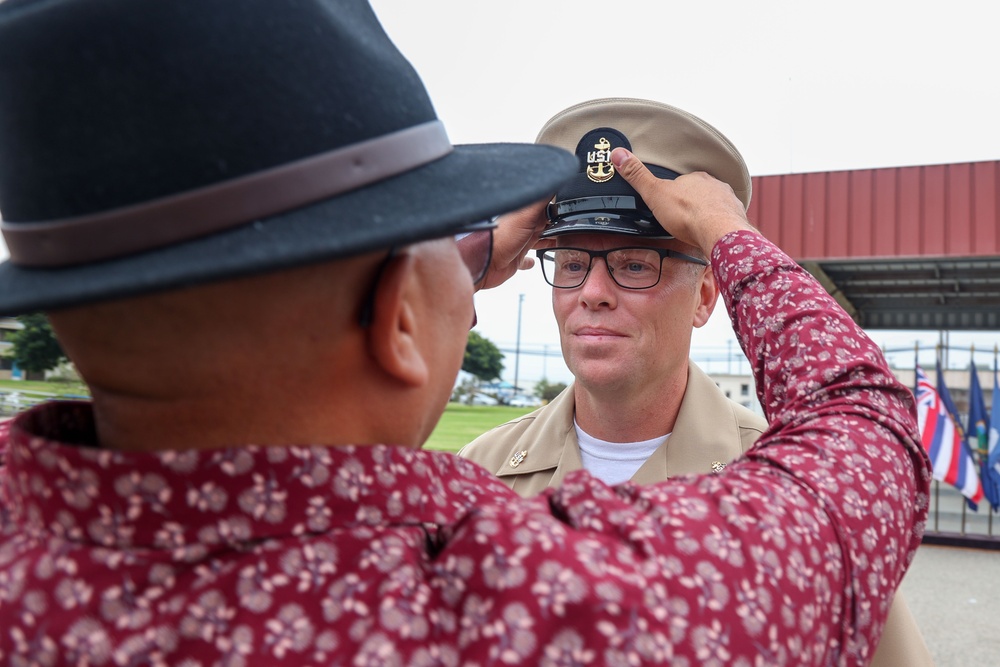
<point x="616" y="339"/>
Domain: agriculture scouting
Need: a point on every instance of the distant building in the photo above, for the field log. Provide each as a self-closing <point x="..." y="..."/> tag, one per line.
<point x="739" y="388"/>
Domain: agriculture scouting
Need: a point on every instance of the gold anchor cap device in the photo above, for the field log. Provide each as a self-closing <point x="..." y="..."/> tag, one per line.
<point x="669" y="141"/>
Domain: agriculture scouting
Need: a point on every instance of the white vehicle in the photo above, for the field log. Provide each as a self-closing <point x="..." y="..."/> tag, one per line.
<point x="483" y="399"/>
<point x="522" y="401"/>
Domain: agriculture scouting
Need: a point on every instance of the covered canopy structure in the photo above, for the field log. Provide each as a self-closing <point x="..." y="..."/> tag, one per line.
<point x="900" y="248"/>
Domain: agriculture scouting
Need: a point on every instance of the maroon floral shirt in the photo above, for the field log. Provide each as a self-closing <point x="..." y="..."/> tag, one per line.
<point x="386" y="556"/>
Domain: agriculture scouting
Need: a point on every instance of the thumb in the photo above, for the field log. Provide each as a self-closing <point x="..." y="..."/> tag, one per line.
<point x="650" y="188"/>
<point x="695" y="208"/>
<point x="635" y="172"/>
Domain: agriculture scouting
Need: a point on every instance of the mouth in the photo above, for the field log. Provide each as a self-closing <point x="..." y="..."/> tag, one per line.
<point x="597" y="332"/>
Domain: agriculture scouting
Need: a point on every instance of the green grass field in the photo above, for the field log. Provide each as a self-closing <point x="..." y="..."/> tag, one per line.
<point x="460" y="424"/>
<point x="54" y="388"/>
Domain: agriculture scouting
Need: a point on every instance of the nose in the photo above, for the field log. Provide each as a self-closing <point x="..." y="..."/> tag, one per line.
<point x="598" y="288"/>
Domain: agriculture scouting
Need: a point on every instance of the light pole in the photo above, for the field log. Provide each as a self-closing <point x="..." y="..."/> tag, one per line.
<point x="517" y="348"/>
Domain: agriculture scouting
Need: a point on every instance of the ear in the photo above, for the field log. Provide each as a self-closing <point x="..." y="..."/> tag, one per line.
<point x="393" y="335"/>
<point x="708" y="294"/>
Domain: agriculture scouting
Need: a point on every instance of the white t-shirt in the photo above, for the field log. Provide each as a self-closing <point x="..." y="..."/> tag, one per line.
<point x="614" y="462"/>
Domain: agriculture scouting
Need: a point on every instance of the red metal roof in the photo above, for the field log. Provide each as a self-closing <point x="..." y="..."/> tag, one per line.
<point x="949" y="210"/>
<point x="900" y="248"/>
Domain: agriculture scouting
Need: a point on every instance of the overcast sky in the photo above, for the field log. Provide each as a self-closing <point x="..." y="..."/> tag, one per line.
<point x="797" y="86"/>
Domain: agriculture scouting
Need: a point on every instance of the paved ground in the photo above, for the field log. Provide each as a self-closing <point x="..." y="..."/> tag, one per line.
<point x="954" y="594"/>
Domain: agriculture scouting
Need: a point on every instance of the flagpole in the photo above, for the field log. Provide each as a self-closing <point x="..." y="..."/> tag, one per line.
<point x="993" y="406"/>
<point x="943" y="383"/>
<point x="980" y="458"/>
<point x="958" y="423"/>
<point x="934" y="482"/>
<point x="937" y="485"/>
<point x="972" y="369"/>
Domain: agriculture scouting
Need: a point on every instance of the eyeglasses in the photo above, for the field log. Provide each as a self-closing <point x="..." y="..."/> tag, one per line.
<point x="630" y="268"/>
<point x="475" y="246"/>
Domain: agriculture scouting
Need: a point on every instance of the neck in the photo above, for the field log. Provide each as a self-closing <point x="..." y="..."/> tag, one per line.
<point x="267" y="411"/>
<point x="630" y="415"/>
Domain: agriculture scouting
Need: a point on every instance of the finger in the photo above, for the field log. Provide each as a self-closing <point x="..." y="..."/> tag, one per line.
<point x="531" y="217"/>
<point x="654" y="191"/>
<point x="635" y="172"/>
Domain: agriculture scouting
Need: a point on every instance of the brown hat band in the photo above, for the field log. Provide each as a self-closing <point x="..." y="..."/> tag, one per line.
<point x="224" y="205"/>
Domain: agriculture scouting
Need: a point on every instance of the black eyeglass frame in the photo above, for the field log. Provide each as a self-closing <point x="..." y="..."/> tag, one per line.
<point x="603" y="254"/>
<point x="368" y="305"/>
<point x="467" y="230"/>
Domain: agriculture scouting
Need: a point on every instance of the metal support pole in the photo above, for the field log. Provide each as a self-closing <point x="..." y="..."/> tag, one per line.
<point x="517" y="348"/>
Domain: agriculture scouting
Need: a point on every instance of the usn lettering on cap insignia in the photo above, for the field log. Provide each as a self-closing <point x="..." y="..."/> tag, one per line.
<point x="599" y="167"/>
<point x="517" y="458"/>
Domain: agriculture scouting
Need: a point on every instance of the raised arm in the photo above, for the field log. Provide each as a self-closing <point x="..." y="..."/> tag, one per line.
<point x="797" y="549"/>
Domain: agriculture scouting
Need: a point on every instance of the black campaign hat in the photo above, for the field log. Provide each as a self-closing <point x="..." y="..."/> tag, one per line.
<point x="158" y="144"/>
<point x="669" y="141"/>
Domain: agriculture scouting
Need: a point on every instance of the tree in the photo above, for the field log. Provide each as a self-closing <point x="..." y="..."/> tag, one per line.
<point x="35" y="346"/>
<point x="482" y="358"/>
<point x="546" y="391"/>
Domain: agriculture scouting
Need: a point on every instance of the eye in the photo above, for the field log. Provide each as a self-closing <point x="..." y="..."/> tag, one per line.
<point x="571" y="262"/>
<point x="636" y="267"/>
<point x="634" y="262"/>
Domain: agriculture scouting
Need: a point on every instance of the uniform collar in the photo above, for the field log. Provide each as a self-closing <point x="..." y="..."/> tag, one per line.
<point x="549" y="442"/>
<point x="706" y="430"/>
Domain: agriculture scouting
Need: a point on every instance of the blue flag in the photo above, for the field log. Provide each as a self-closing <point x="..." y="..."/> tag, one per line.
<point x="976" y="435"/>
<point x="991" y="472"/>
<point x="942" y="390"/>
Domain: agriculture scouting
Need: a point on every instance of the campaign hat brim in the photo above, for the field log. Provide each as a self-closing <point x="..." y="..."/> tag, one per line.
<point x="473" y="182"/>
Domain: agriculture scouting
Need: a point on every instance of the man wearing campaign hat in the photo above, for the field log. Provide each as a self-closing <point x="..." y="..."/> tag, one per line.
<point x="626" y="297"/>
<point x="256" y="243"/>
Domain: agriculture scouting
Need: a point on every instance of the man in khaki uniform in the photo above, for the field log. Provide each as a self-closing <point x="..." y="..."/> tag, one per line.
<point x="639" y="410"/>
<point x="536" y="451"/>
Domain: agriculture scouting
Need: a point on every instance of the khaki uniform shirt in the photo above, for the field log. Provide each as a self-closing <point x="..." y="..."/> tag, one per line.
<point x="547" y="439"/>
<point x="537" y="450"/>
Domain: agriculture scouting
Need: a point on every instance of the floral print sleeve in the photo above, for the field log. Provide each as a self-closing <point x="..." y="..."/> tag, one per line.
<point x="380" y="555"/>
<point x="795" y="549"/>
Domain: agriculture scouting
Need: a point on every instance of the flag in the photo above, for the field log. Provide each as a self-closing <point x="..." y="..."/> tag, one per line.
<point x="975" y="427"/>
<point x="991" y="469"/>
<point x="949" y="453"/>
<point x="942" y="390"/>
<point x="975" y="433"/>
